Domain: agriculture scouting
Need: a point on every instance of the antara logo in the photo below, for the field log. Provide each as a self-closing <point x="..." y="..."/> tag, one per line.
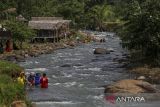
<point x="116" y="99"/>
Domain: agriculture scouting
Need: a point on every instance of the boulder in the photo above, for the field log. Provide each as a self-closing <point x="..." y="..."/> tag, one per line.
<point x="101" y="51"/>
<point x="33" y="54"/>
<point x="71" y="44"/>
<point x="26" y="55"/>
<point x="66" y="65"/>
<point x="110" y="49"/>
<point x="33" y="105"/>
<point x="18" y="104"/>
<point x="141" y="78"/>
<point x="10" y="58"/>
<point x="20" y="58"/>
<point x="131" y="86"/>
<point x="77" y="65"/>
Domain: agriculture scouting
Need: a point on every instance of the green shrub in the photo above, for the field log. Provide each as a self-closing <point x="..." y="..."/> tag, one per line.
<point x="10" y="90"/>
<point x="5" y="79"/>
<point x="9" y="68"/>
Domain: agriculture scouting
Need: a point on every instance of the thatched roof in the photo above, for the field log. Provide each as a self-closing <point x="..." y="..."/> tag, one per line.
<point x="47" y="23"/>
<point x="46" y="18"/>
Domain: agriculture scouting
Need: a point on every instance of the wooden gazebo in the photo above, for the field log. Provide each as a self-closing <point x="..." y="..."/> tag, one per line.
<point x="49" y="28"/>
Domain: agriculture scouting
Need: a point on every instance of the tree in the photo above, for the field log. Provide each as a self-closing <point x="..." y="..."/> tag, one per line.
<point x="20" y="31"/>
<point x="142" y="29"/>
<point x="71" y="9"/>
<point x="98" y="15"/>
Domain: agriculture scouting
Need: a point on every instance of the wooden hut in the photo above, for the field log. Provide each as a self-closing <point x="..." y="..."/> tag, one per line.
<point x="49" y="28"/>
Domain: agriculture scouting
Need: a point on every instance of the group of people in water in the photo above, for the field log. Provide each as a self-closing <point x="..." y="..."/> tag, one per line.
<point x="33" y="79"/>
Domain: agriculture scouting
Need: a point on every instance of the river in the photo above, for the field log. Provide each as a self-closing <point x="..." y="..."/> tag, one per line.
<point x="76" y="75"/>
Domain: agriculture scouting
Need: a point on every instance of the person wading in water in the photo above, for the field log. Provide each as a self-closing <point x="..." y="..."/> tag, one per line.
<point x="31" y="80"/>
<point x="21" y="79"/>
<point x="37" y="79"/>
<point x="44" y="81"/>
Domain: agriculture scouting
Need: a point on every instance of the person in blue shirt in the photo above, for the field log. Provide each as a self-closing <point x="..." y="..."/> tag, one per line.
<point x="37" y="79"/>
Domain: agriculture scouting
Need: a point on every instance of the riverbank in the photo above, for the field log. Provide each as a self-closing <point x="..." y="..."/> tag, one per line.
<point x="10" y="89"/>
<point x="141" y="66"/>
<point x="152" y="74"/>
<point x="36" y="49"/>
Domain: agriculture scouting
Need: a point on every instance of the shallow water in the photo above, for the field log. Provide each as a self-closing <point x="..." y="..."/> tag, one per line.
<point x="76" y="76"/>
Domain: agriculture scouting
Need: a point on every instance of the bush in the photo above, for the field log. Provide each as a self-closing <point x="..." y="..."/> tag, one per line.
<point x="9" y="68"/>
<point x="141" y="32"/>
<point x="10" y="90"/>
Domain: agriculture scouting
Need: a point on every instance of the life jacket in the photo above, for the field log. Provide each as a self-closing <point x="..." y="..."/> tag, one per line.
<point x="44" y="82"/>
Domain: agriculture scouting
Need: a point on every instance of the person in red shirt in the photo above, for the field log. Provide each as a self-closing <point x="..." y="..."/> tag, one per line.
<point x="44" y="81"/>
<point x="8" y="46"/>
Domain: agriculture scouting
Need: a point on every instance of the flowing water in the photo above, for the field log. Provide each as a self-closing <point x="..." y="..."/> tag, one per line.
<point x="76" y="76"/>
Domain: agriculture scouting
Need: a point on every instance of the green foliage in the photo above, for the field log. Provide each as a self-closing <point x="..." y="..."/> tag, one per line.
<point x="9" y="89"/>
<point x="20" y="31"/>
<point x="89" y="14"/>
<point x="9" y="68"/>
<point x="98" y="15"/>
<point x="71" y="9"/>
<point x="142" y="28"/>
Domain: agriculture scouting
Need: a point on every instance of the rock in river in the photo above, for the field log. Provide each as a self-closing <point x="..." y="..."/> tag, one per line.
<point x="101" y="51"/>
<point x="66" y="65"/>
<point x="18" y="104"/>
<point x="20" y="58"/>
<point x="131" y="86"/>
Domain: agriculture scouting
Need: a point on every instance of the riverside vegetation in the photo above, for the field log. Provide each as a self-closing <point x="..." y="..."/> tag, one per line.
<point x="10" y="90"/>
<point x="141" y="35"/>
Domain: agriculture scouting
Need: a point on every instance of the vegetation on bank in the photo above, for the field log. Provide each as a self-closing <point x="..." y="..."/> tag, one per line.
<point x="20" y="31"/>
<point x="10" y="90"/>
<point x="141" y="30"/>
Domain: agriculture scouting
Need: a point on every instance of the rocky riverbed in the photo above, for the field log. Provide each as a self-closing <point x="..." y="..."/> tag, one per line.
<point x="36" y="49"/>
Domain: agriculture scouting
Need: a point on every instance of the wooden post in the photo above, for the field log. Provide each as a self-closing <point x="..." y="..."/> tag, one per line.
<point x="58" y="34"/>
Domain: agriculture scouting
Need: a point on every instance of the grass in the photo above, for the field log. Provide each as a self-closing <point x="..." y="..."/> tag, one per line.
<point x="10" y="90"/>
<point x="9" y="68"/>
